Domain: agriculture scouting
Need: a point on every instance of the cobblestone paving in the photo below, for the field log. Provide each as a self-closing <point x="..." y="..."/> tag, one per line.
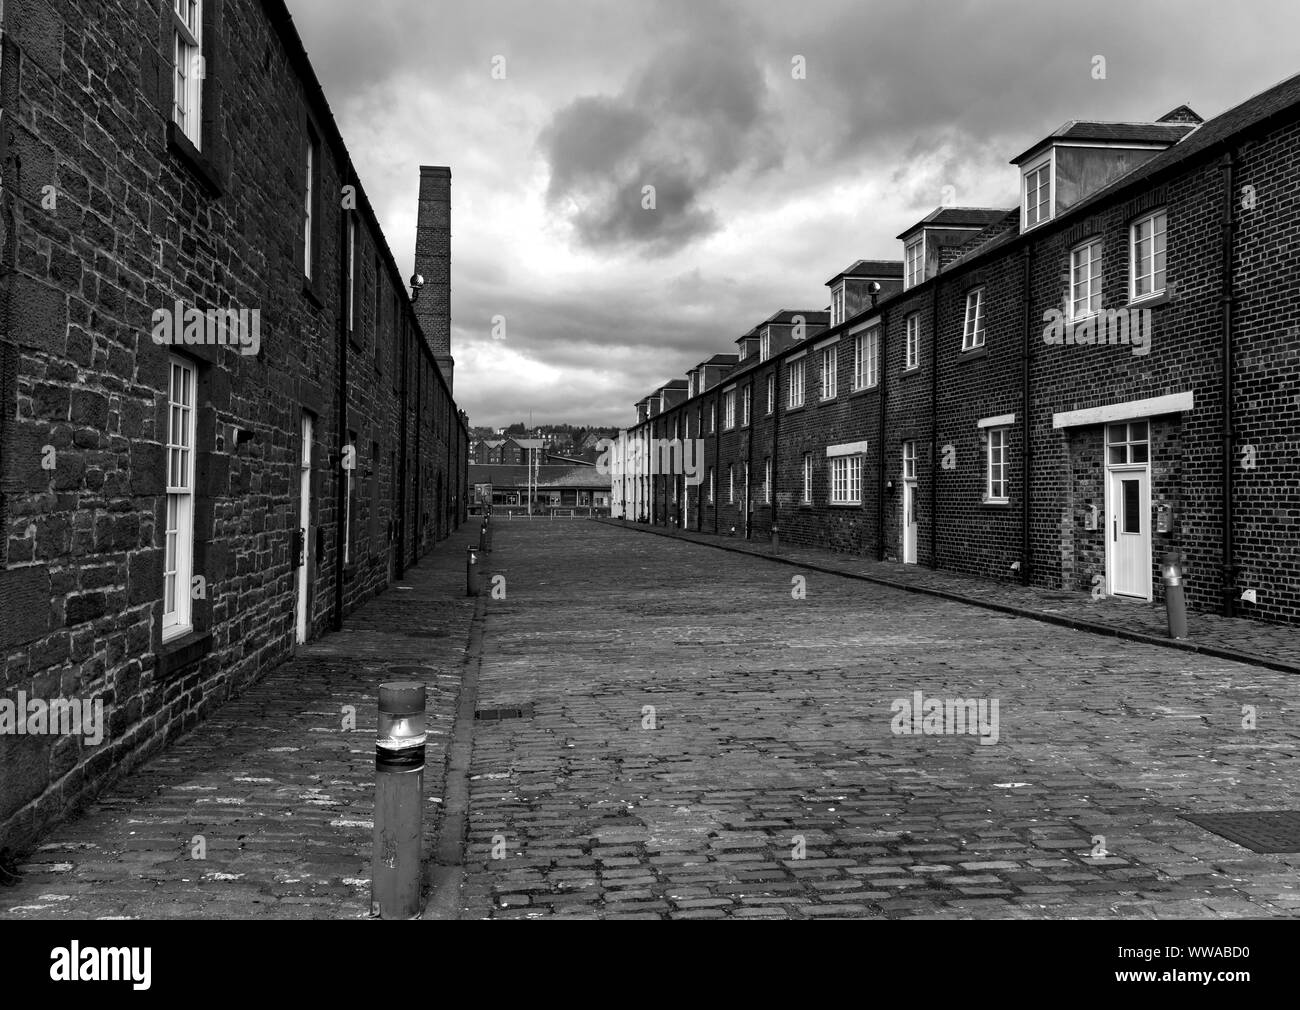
<point x="772" y="725"/>
<point x="280" y="792"/>
<point x="1250" y="638"/>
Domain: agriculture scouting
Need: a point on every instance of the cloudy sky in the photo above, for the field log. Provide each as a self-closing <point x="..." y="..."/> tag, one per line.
<point x="553" y="116"/>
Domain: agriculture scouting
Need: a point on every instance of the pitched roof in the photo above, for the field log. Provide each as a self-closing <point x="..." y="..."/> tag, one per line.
<point x="957" y="217"/>
<point x="871" y="268"/>
<point x="1137" y="133"/>
<point x="548" y="475"/>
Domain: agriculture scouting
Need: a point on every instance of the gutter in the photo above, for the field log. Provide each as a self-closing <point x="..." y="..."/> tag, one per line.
<point x="934" y="425"/>
<point x="1027" y="443"/>
<point x="882" y="358"/>
<point x="403" y="355"/>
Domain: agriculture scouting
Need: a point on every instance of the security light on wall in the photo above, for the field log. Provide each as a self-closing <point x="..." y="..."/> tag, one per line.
<point x="417" y="282"/>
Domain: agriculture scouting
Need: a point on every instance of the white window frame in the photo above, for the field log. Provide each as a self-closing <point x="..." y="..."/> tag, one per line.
<point x="746" y="400"/>
<point x="188" y="69"/>
<point x="997" y="439"/>
<point x="712" y="475"/>
<point x="866" y="358"/>
<point x="765" y="344"/>
<point x="973" y="334"/>
<point x="909" y="460"/>
<point x="1129" y="443"/>
<point x="914" y="262"/>
<point x="728" y="409"/>
<point x="830" y="368"/>
<point x="794" y="378"/>
<point x="837" y="304"/>
<point x="846" y="480"/>
<point x="1086" y="255"/>
<point x="771" y="392"/>
<point x="767" y="481"/>
<point x="913" y="350"/>
<point x="1045" y="163"/>
<point x="1134" y="265"/>
<point x="713" y="418"/>
<point x="807" y="478"/>
<point x="352" y="272"/>
<point x="731" y="484"/>
<point x="178" y="548"/>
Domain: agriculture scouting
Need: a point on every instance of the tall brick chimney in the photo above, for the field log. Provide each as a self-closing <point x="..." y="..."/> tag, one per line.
<point x="433" y="262"/>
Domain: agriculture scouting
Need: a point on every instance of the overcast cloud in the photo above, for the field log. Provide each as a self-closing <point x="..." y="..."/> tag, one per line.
<point x="764" y="185"/>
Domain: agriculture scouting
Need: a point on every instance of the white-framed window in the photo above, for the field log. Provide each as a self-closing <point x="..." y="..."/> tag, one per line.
<point x="1085" y="279"/>
<point x="352" y="272"/>
<point x="1128" y="442"/>
<point x="728" y="410"/>
<point x="846" y="480"/>
<point x="913" y="357"/>
<point x="713" y="418"/>
<point x="178" y="561"/>
<point x="711" y="483"/>
<point x="771" y="392"/>
<point x="807" y="478"/>
<point x="690" y="382"/>
<point x="997" y="466"/>
<point x="767" y="481"/>
<point x="765" y="343"/>
<point x="188" y="68"/>
<point x="794" y="376"/>
<point x="866" y="358"/>
<point x="830" y="365"/>
<point x="973" y="333"/>
<point x="914" y="261"/>
<point x="307" y="223"/>
<point x="731" y="484"/>
<point x="1036" y="205"/>
<point x="909" y="460"/>
<point x="1147" y="255"/>
<point x="747" y="395"/>
<point x="837" y="304"/>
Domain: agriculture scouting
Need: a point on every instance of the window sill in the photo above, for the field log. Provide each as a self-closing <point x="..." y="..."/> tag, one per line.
<point x="865" y="390"/>
<point x="178" y="654"/>
<point x="844" y="504"/>
<point x="1150" y="301"/>
<point x="312" y="295"/>
<point x="190" y="156"/>
<point x="907" y="373"/>
<point x="995" y="503"/>
<point x="974" y="354"/>
<point x="791" y="410"/>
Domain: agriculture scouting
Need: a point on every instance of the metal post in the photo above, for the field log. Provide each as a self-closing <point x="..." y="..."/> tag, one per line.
<point x="482" y="537"/>
<point x="776" y="541"/>
<point x="487" y="525"/>
<point x="399" y="802"/>
<point x="1171" y="573"/>
<point x="471" y="571"/>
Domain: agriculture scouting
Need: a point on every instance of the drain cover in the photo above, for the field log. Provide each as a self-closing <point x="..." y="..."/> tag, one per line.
<point x="495" y="714"/>
<point x="1257" y="830"/>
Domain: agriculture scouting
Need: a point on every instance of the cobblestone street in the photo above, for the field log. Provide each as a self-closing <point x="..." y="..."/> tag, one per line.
<point x="771" y="732"/>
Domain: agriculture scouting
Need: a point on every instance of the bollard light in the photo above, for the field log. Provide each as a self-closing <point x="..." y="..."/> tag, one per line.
<point x="471" y="571"/>
<point x="733" y="531"/>
<point x="399" y="801"/>
<point x="1171" y="574"/>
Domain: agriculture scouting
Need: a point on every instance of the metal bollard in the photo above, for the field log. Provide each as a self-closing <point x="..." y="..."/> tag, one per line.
<point x="776" y="541"/>
<point x="1171" y="573"/>
<point x="471" y="572"/>
<point x="399" y="802"/>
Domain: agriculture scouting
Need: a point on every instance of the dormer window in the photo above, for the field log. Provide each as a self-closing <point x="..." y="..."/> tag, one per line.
<point x="837" y="304"/>
<point x="1036" y="203"/>
<point x="914" y="262"/>
<point x="690" y="381"/>
<point x="765" y="344"/>
<point x="744" y="350"/>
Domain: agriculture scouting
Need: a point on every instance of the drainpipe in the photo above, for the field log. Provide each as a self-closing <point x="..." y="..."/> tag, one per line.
<point x="1026" y="259"/>
<point x="340" y="504"/>
<point x="882" y="358"/>
<point x="401" y="454"/>
<point x="1228" y="225"/>
<point x="776" y="413"/>
<point x="717" y="463"/>
<point x="419" y="468"/>
<point x="934" y="423"/>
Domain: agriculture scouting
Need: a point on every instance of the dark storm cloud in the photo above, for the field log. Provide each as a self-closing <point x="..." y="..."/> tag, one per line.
<point x="685" y="123"/>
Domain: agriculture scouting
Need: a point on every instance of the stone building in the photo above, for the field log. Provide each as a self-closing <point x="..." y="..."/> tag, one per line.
<point x="225" y="425"/>
<point x="1060" y="393"/>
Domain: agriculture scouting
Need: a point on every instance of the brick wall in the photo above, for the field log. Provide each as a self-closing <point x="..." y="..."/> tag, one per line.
<point x="107" y="216"/>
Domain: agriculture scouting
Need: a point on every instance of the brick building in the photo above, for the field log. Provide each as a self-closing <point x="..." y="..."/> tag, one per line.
<point x="225" y="424"/>
<point x="1059" y="392"/>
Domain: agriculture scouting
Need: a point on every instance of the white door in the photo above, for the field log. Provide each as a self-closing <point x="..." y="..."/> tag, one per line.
<point x="304" y="527"/>
<point x="1128" y="543"/>
<point x="908" y="517"/>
